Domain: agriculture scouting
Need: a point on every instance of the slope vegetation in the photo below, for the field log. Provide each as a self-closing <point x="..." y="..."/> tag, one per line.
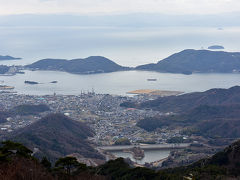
<point x="19" y="164"/>
<point x="189" y="101"/>
<point x="213" y="113"/>
<point x="56" y="135"/>
<point x="93" y="64"/>
<point x="202" y="61"/>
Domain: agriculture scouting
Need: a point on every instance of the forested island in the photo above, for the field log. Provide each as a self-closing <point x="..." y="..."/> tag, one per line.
<point x="31" y="82"/>
<point x="216" y="47"/>
<point x="197" y="61"/>
<point x="90" y="65"/>
<point x="185" y="62"/>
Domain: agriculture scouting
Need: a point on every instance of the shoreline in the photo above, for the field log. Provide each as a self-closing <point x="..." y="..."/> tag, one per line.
<point x="155" y="92"/>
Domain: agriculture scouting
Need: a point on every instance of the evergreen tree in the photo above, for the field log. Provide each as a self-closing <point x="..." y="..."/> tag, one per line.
<point x="46" y="163"/>
<point x="67" y="163"/>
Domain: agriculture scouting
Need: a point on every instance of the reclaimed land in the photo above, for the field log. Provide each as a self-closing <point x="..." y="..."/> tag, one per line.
<point x="156" y="92"/>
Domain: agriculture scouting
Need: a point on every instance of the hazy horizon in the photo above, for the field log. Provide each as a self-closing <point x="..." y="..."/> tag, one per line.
<point x="129" y="33"/>
<point x="176" y="7"/>
<point x="137" y="20"/>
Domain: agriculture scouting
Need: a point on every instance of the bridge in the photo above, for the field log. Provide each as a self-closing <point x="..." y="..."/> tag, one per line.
<point x="145" y="147"/>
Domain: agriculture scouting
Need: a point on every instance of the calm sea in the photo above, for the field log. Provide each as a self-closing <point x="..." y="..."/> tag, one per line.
<point x="116" y="83"/>
<point x="126" y="46"/>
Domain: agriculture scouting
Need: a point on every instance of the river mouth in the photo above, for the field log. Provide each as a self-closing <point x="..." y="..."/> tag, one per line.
<point x="150" y="155"/>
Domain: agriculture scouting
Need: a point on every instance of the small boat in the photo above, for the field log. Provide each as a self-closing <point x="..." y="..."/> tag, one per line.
<point x="30" y="82"/>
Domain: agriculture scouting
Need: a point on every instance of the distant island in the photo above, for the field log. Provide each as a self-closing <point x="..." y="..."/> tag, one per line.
<point x="197" y="61"/>
<point x="4" y="69"/>
<point x="90" y="65"/>
<point x="216" y="47"/>
<point x="30" y="82"/>
<point x="185" y="62"/>
<point x="2" y="58"/>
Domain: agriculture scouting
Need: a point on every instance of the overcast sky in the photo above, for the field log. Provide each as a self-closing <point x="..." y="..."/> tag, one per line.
<point x="118" y="6"/>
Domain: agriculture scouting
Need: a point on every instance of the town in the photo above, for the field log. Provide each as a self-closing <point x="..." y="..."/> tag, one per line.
<point x="102" y="112"/>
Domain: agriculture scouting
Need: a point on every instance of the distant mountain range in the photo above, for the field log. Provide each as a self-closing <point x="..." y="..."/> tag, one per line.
<point x="197" y="61"/>
<point x="55" y="136"/>
<point x="2" y="58"/>
<point x="90" y="65"/>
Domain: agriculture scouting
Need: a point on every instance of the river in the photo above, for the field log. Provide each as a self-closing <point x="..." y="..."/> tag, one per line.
<point x="150" y="155"/>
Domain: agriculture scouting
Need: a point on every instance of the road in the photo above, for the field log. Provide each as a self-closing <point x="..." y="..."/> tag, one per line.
<point x="145" y="147"/>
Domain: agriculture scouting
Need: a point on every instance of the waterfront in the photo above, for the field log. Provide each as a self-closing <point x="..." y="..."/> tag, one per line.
<point x="118" y="83"/>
